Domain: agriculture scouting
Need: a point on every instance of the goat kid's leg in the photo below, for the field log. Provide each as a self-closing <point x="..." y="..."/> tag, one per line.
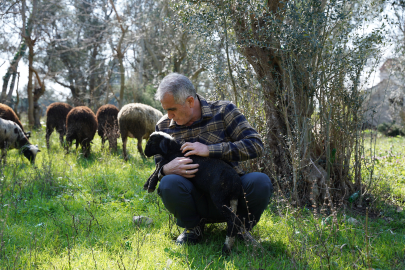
<point x="234" y="206"/>
<point x="229" y="213"/>
<point x="230" y="237"/>
<point x="242" y="228"/>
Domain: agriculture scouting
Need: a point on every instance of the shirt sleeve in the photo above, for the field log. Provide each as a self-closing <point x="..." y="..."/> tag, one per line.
<point x="245" y="143"/>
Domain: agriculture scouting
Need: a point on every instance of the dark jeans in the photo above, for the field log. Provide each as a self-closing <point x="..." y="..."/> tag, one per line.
<point x="189" y="205"/>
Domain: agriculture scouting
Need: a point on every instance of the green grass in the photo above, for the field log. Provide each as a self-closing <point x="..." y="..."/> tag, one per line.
<point x="76" y="213"/>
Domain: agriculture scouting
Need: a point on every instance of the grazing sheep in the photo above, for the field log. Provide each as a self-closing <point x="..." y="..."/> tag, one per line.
<point x="138" y="121"/>
<point x="12" y="137"/>
<point x="215" y="177"/>
<point x="8" y="114"/>
<point x="56" y="119"/>
<point x="81" y="125"/>
<point x="108" y="125"/>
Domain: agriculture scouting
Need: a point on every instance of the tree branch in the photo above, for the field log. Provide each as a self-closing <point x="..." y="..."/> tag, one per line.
<point x="196" y="73"/>
<point x="154" y="58"/>
<point x="118" y="17"/>
<point x="38" y="78"/>
<point x="61" y="83"/>
<point x="9" y="9"/>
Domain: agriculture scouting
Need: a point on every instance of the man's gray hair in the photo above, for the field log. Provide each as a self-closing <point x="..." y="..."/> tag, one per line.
<point x="178" y="85"/>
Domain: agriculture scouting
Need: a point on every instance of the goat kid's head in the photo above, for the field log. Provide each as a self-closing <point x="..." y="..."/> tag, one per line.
<point x="160" y="143"/>
<point x="30" y="152"/>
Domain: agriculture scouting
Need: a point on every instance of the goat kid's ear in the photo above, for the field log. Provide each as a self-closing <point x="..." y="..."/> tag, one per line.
<point x="164" y="145"/>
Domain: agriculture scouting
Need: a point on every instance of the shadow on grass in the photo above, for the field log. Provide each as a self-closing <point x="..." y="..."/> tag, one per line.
<point x="244" y="255"/>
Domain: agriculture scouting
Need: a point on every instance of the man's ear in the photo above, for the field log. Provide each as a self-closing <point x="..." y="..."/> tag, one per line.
<point x="190" y="101"/>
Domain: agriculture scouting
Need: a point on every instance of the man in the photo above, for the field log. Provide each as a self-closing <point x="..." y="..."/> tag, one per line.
<point x="208" y="129"/>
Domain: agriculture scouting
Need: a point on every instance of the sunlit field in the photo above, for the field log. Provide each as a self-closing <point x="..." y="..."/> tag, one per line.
<point x="69" y="212"/>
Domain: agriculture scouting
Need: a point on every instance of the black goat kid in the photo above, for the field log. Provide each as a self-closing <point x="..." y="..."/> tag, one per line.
<point x="215" y="178"/>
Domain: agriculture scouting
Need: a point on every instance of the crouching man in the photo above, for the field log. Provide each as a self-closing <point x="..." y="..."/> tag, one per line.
<point x="208" y="129"/>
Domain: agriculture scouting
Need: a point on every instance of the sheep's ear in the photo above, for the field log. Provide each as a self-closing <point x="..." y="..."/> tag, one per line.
<point x="164" y="145"/>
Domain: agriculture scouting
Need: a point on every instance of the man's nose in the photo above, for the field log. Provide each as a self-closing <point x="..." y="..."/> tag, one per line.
<point x="170" y="115"/>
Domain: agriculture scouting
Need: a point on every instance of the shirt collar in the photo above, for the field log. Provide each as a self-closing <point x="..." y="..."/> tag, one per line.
<point x="205" y="112"/>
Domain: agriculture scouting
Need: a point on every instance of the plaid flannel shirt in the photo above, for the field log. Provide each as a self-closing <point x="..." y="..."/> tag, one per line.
<point x="223" y="128"/>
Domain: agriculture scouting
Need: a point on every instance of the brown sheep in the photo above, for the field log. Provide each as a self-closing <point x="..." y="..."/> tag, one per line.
<point x="108" y="125"/>
<point x="8" y="114"/>
<point x="81" y="125"/>
<point x="56" y="119"/>
<point x="138" y="121"/>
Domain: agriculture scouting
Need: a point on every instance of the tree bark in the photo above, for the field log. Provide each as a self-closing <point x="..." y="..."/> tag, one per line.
<point x="235" y="92"/>
<point x="293" y="152"/>
<point x="26" y="31"/>
<point x="38" y="92"/>
<point x="11" y="90"/>
<point x="120" y="55"/>
<point x="31" y="121"/>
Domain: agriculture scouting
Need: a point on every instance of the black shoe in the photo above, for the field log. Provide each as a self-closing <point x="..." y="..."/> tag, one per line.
<point x="190" y="236"/>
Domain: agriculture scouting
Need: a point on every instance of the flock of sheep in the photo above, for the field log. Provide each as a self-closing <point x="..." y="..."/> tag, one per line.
<point x="134" y="120"/>
<point x="216" y="178"/>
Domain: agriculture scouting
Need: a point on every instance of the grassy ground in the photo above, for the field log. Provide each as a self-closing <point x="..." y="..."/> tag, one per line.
<point x="76" y="213"/>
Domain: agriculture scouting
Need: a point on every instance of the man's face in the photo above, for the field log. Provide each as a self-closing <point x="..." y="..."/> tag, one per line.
<point x="181" y="114"/>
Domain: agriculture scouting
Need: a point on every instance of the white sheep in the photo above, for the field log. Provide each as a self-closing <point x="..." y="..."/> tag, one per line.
<point x="12" y="137"/>
<point x="137" y="120"/>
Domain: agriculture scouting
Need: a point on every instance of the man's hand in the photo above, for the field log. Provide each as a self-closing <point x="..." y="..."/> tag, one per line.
<point x="196" y="148"/>
<point x="181" y="166"/>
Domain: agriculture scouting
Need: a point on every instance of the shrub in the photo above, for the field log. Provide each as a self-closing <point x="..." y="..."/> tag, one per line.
<point x="391" y="129"/>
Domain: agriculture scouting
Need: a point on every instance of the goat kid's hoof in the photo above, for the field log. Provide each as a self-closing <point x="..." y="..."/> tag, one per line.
<point x="226" y="249"/>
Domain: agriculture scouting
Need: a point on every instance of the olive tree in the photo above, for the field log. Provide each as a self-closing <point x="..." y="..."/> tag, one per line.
<point x="296" y="75"/>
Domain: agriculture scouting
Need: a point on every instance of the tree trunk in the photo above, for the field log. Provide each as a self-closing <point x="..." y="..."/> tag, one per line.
<point x="38" y="92"/>
<point x="229" y="63"/>
<point x="30" y="95"/>
<point x="11" y="90"/>
<point x="305" y="165"/>
<point x="17" y="101"/>
<point x="122" y="77"/>
<point x="120" y="56"/>
<point x="12" y="70"/>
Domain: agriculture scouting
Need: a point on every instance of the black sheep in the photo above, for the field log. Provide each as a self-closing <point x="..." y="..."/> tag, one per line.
<point x="56" y="119"/>
<point x="81" y="125"/>
<point x="108" y="125"/>
<point x="215" y="178"/>
<point x="8" y="114"/>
